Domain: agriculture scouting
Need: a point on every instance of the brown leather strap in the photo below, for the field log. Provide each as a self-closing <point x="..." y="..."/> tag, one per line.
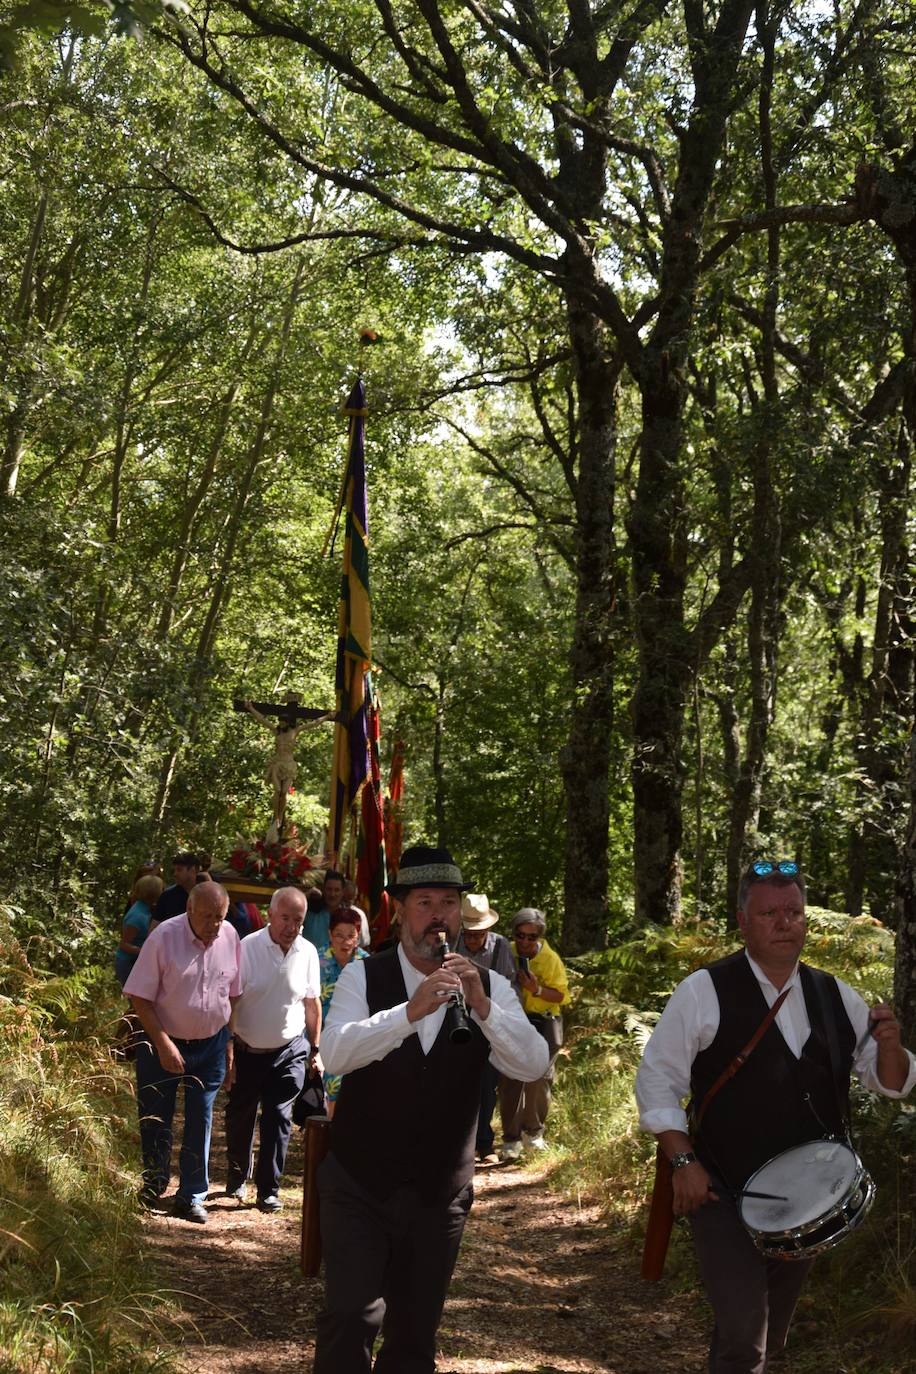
<point x="742" y="1056"/>
<point x="661" y="1220"/>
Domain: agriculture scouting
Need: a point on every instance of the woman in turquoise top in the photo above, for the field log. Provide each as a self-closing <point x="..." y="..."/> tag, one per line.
<point x="343" y="933"/>
<point x="136" y="923"/>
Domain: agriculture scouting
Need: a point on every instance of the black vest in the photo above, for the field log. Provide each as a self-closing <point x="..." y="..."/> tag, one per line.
<point x="774" y="1101"/>
<point x="410" y="1118"/>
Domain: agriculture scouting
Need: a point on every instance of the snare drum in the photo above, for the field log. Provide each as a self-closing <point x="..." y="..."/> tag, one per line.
<point x="828" y="1193"/>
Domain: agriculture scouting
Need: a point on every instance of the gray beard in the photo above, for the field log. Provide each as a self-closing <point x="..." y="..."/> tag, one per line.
<point x="427" y="948"/>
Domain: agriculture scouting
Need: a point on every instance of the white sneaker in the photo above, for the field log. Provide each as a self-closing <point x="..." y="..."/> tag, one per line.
<point x="510" y="1152"/>
<point x="535" y="1142"/>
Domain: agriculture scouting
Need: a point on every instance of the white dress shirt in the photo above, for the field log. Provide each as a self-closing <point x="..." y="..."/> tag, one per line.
<point x="689" y="1024"/>
<point x="351" y="1038"/>
<point x="270" y="1011"/>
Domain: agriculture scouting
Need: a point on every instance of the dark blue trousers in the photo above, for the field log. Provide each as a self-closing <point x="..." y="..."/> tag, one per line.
<point x="157" y="1090"/>
<point x="271" y="1081"/>
<point x="484" y="1142"/>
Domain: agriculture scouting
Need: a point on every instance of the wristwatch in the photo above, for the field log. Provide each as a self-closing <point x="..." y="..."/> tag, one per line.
<point x="679" y="1161"/>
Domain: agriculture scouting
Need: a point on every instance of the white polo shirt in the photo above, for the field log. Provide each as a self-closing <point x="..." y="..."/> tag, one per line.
<point x="270" y="1011"/>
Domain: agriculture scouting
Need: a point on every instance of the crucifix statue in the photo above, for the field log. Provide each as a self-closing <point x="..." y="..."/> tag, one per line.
<point x="291" y="720"/>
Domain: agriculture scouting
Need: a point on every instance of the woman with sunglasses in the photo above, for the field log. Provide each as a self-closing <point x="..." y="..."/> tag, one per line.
<point x="545" y="989"/>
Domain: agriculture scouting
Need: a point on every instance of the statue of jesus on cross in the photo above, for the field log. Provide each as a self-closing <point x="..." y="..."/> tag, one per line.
<point x="292" y="719"/>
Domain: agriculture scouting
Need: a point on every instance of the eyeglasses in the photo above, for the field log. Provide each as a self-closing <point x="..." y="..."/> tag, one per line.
<point x="764" y="866"/>
<point x="524" y="935"/>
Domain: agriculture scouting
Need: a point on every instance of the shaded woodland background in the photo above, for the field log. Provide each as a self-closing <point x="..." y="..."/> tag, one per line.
<point x="640" y="440"/>
<point x="640" y="448"/>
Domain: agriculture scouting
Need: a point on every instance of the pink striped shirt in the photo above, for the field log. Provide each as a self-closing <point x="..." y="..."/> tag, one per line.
<point x="190" y="983"/>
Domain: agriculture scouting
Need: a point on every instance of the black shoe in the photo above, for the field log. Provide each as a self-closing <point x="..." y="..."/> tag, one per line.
<point x="151" y="1192"/>
<point x="236" y="1189"/>
<point x="188" y="1211"/>
<point x="270" y="1203"/>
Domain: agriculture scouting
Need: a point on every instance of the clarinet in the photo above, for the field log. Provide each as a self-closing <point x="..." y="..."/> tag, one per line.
<point x="457" y="1025"/>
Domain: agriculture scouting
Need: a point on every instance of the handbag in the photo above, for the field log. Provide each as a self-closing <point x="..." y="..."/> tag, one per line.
<point x="311" y="1100"/>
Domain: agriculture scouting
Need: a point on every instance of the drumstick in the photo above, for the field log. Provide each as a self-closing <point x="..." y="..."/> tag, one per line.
<point x="864" y="1041"/>
<point x="764" y="1197"/>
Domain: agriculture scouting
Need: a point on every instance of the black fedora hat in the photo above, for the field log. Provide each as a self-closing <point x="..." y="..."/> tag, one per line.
<point x="424" y="866"/>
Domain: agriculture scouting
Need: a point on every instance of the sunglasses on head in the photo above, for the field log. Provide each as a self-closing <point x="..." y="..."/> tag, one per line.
<point x="763" y="867"/>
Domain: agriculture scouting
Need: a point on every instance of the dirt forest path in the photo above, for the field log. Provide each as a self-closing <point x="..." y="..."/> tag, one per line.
<point x="540" y="1288"/>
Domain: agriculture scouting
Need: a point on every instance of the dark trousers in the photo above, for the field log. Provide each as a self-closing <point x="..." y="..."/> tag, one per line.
<point x="752" y="1297"/>
<point x="157" y="1089"/>
<point x="272" y="1082"/>
<point x="484" y="1142"/>
<point x="388" y="1264"/>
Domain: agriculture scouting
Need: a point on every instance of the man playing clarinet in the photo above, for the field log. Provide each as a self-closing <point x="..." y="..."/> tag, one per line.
<point x="395" y="1189"/>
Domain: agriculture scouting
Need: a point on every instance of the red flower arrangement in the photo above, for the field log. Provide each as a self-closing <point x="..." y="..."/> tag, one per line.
<point x="286" y="862"/>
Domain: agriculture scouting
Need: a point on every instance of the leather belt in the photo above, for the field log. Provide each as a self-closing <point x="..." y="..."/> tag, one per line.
<point x="250" y="1049"/>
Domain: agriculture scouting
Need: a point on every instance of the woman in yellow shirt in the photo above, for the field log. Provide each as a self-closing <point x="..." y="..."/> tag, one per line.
<point x="544" y="987"/>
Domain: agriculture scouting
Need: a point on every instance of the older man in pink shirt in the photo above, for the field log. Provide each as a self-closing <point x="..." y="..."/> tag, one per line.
<point x="182" y="988"/>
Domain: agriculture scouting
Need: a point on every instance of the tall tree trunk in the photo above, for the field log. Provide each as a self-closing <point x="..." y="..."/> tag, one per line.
<point x="889" y="198"/>
<point x="17" y="371"/>
<point x="766" y="526"/>
<point x="905" y="966"/>
<point x="124" y="425"/>
<point x="438" y="764"/>
<point x="659" y="579"/>
<point x="891" y="201"/>
<point x="656" y="526"/>
<point x="763" y="643"/>
<point x="586" y="756"/>
<point x="14" y="438"/>
<point x="869" y="842"/>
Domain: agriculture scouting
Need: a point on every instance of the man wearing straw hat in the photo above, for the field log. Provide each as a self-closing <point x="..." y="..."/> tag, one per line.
<point x="485" y="948"/>
<point x="396" y="1187"/>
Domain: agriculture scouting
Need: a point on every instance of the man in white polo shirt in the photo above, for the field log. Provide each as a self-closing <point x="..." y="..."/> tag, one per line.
<point x="276" y="1026"/>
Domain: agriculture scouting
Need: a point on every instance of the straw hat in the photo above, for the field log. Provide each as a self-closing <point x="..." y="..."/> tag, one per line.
<point x="476" y="912"/>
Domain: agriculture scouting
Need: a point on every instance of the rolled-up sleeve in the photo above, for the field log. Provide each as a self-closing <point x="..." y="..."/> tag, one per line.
<point x="865" y="1062"/>
<point x="687" y="1024"/>
<point x="516" y="1048"/>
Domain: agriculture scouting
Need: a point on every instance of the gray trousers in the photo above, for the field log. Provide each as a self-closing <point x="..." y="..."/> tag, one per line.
<point x="524" y="1106"/>
<point x="752" y="1297"/>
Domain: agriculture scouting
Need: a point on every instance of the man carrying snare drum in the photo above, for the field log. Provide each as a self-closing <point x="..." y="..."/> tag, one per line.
<point x="792" y="1087"/>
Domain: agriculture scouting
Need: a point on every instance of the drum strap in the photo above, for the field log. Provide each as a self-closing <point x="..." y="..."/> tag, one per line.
<point x="741" y="1057"/>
